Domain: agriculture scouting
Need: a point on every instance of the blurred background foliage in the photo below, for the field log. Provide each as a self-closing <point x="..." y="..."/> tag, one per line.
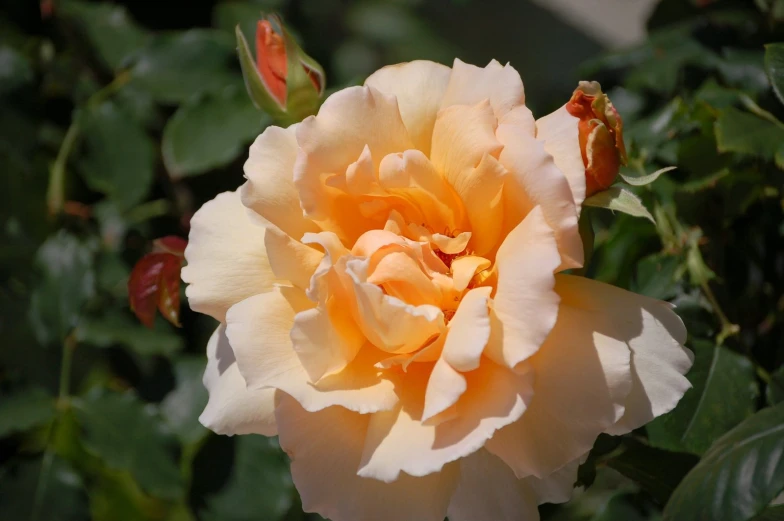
<point x="118" y="120"/>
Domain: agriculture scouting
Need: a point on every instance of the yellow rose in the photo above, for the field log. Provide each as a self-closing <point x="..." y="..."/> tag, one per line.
<point x="388" y="285"/>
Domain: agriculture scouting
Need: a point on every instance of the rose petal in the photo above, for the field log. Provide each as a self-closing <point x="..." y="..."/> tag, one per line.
<point x="291" y="260"/>
<point x="232" y="407"/>
<point x="418" y="86"/>
<point x="499" y="84"/>
<point x="227" y="261"/>
<point x="325" y="451"/>
<point x="259" y="331"/>
<point x="558" y="130"/>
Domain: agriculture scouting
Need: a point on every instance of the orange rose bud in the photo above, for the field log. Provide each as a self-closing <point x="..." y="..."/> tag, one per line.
<point x="600" y="135"/>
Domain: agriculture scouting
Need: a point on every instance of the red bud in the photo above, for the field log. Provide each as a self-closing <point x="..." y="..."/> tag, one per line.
<point x="155" y="282"/>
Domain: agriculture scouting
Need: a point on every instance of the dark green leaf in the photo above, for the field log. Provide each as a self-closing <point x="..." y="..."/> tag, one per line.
<point x="657" y="471"/>
<point x="210" y="133"/>
<point x="745" y="133"/>
<point x="620" y="200"/>
<point x="113" y="34"/>
<point x="117" y="497"/>
<point x="724" y="393"/>
<point x="63" y="497"/>
<point x="656" y="276"/>
<point x="775" y="513"/>
<point x="178" y="66"/>
<point x="24" y="410"/>
<point x="126" y="435"/>
<point x="181" y="407"/>
<point x="775" y="391"/>
<point x="260" y="483"/>
<point x="774" y="66"/>
<point x="623" y="506"/>
<point x="15" y="70"/>
<point x="738" y="477"/>
<point x="120" y="157"/>
<point x="66" y="283"/>
<point x="121" y="328"/>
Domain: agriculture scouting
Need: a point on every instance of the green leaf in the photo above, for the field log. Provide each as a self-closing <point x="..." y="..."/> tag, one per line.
<point x="745" y="133"/>
<point x="24" y="410"/>
<point x="774" y="66"/>
<point x="210" y="133"/>
<point x="260" y="482"/>
<point x="65" y="284"/>
<point x="623" y="506"/>
<point x="181" y="407"/>
<point x="121" y="328"/>
<point x="724" y="393"/>
<point x="113" y="34"/>
<point x="646" y="179"/>
<point x="775" y="390"/>
<point x="656" y="276"/>
<point x="621" y="200"/>
<point x="115" y="496"/>
<point x="15" y="69"/>
<point x="126" y="435"/>
<point x="63" y="496"/>
<point x="120" y="158"/>
<point x="738" y="477"/>
<point x="657" y="471"/>
<point x="179" y="66"/>
<point x="775" y="513"/>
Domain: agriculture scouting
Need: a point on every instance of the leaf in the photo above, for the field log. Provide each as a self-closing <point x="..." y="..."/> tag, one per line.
<point x="738" y="477"/>
<point x="117" y="497"/>
<point x="623" y="506"/>
<point x="179" y="66"/>
<point x="24" y="410"/>
<point x="621" y="200"/>
<point x="657" y="471"/>
<point x="181" y="407"/>
<point x="15" y="70"/>
<point x="126" y="435"/>
<point x="119" y="158"/>
<point x="745" y="133"/>
<point x="119" y="328"/>
<point x="260" y="482"/>
<point x="113" y="34"/>
<point x="66" y="283"/>
<point x="775" y="513"/>
<point x="646" y="179"/>
<point x="656" y="276"/>
<point x="155" y="283"/>
<point x="775" y="390"/>
<point x="210" y="133"/>
<point x="63" y="497"/>
<point x="724" y="393"/>
<point x="774" y="66"/>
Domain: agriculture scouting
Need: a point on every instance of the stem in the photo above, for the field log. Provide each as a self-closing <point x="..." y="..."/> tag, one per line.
<point x="55" y="195"/>
<point x="728" y="329"/>
<point x="69" y="346"/>
<point x="148" y="210"/>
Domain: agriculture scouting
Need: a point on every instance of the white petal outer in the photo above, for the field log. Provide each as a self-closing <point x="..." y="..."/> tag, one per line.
<point x="534" y="178"/>
<point x="558" y="130"/>
<point x="558" y="487"/>
<point x="259" y="331"/>
<point x="397" y="440"/>
<point x="500" y="84"/>
<point x="227" y="261"/>
<point x="489" y="491"/>
<point x="582" y="378"/>
<point x="232" y="407"/>
<point x="525" y="301"/>
<point x="418" y="86"/>
<point x="325" y="449"/>
<point x="655" y="335"/>
<point x="270" y="190"/>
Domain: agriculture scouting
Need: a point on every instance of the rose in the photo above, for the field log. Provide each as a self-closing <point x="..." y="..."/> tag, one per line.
<point x="389" y="285"/>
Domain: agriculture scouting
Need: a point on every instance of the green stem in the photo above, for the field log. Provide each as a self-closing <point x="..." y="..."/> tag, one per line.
<point x="55" y="195"/>
<point x="148" y="210"/>
<point x="728" y="329"/>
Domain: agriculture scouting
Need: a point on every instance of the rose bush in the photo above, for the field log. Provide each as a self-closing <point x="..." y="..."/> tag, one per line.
<point x="390" y="287"/>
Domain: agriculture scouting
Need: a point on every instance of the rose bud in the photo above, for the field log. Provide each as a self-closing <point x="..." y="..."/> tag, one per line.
<point x="283" y="80"/>
<point x="600" y="134"/>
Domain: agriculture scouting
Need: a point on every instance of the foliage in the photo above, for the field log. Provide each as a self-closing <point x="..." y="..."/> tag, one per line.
<point x="114" y="128"/>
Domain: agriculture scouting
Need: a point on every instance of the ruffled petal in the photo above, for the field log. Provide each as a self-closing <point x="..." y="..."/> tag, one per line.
<point x="259" y="331"/>
<point x="655" y="335"/>
<point x="325" y="448"/>
<point x="232" y="407"/>
<point x="558" y="130"/>
<point x="418" y="86"/>
<point x="525" y="304"/>
<point x="270" y="190"/>
<point x="291" y="260"/>
<point x="227" y="261"/>
<point x="582" y="381"/>
<point x="499" y="84"/>
<point x="398" y="441"/>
